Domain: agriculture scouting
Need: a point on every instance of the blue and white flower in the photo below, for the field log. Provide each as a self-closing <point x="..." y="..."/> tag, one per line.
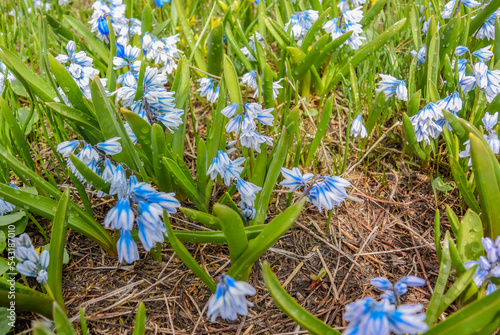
<point x="227" y="169"/>
<point x="421" y="54"/>
<point x="452" y="103"/>
<point x="483" y="54"/>
<point x="393" y="292"/>
<point x="31" y="264"/>
<point x="115" y="10"/>
<point x="250" y="79"/>
<point x="449" y="7"/>
<point x="111" y="146"/>
<point x="229" y="299"/>
<point x="461" y="50"/>
<point x="7" y="207"/>
<point x="208" y="89"/>
<point x="425" y="123"/>
<point x="276" y="88"/>
<point x="300" y="22"/>
<point x="294" y="179"/>
<point x="251" y="42"/>
<point x="370" y="317"/>
<point x="357" y="128"/>
<point x="392" y="86"/>
<point x="487" y="267"/>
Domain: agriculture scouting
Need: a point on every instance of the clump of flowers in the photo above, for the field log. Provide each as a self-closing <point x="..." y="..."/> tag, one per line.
<point x="31" y="264"/>
<point x="300" y="22"/>
<point x="209" y="88"/>
<point x="489" y="121"/>
<point x="251" y="42"/>
<point x="393" y="292"/>
<point x="229" y="171"/>
<point x="348" y="21"/>
<point x="323" y="191"/>
<point x="393" y="86"/>
<point x="95" y="160"/>
<point x="425" y="125"/>
<point x="162" y="52"/>
<point x="487" y="267"/>
<point x="115" y="10"/>
<point x="229" y="299"/>
<point x="244" y="123"/>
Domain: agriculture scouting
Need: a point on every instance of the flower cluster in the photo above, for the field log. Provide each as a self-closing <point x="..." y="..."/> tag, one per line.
<point x="115" y="10"/>
<point x="370" y="317"/>
<point x="95" y="160"/>
<point x="489" y="121"/>
<point x="244" y="123"/>
<point x="7" y="207"/>
<point x="487" y="267"/>
<point x="209" y="88"/>
<point x="230" y="170"/>
<point x="300" y="22"/>
<point x="393" y="292"/>
<point x="323" y="192"/>
<point x="487" y="30"/>
<point x="428" y="123"/>
<point x="156" y="103"/>
<point x="150" y="206"/>
<point x="348" y="21"/>
<point x="81" y="67"/>
<point x="162" y="52"/>
<point x="31" y="264"/>
<point x="229" y="299"/>
<point x="250" y="79"/>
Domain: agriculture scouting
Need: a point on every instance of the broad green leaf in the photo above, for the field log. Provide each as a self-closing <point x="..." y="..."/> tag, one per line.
<point x="463" y="185"/>
<point x="7" y="320"/>
<point x="57" y="243"/>
<point x="215" y="50"/>
<point x="480" y="18"/>
<point x="63" y="325"/>
<point x="111" y="72"/>
<point x="489" y="192"/>
<point x="414" y="104"/>
<point x="469" y="237"/>
<point x="453" y="220"/>
<point x="141" y="128"/>
<point x="232" y="82"/>
<point x="272" y="175"/>
<point x="372" y="13"/>
<point x="291" y="308"/>
<point x="90" y="176"/>
<point x="312" y="32"/>
<point x="140" y="320"/>
<point x="411" y="139"/>
<point x="17" y="134"/>
<point x="75" y="115"/>
<point x="186" y="257"/>
<point x="159" y="150"/>
<point x="8" y="219"/>
<point x="26" y="299"/>
<point x="181" y="86"/>
<point x="215" y="237"/>
<point x="442" y="280"/>
<point x="233" y="229"/>
<point x="271" y="233"/>
<point x="30" y="80"/>
<point x="206" y="219"/>
<point x="471" y="319"/>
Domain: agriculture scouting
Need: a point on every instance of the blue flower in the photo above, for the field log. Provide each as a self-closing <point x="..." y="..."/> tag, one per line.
<point x="223" y="166"/>
<point x="67" y="147"/>
<point x="328" y="192"/>
<point x="421" y="54"/>
<point x="487" y="30"/>
<point x="7" y="207"/>
<point x="487" y="267"/>
<point x="161" y="3"/>
<point x="483" y="54"/>
<point x="31" y="264"/>
<point x="369" y="317"/>
<point x="449" y="7"/>
<point x="110" y="146"/>
<point x="250" y="79"/>
<point x="251" y="42"/>
<point x="425" y="123"/>
<point x="121" y="216"/>
<point x="166" y="201"/>
<point x="392" y="86"/>
<point x="229" y="299"/>
<point x="128" y="57"/>
<point x="208" y="89"/>
<point x="294" y="178"/>
<point x="127" y="248"/>
<point x="461" y="50"/>
<point x="247" y="190"/>
<point x="119" y="183"/>
<point x="357" y="128"/>
<point x="300" y="22"/>
<point x="452" y="103"/>
<point x="394" y="292"/>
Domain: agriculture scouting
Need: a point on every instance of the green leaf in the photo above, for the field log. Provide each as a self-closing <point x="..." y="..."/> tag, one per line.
<point x="17" y="134"/>
<point x="142" y="130"/>
<point x="463" y="185"/>
<point x="453" y="219"/>
<point x="414" y="103"/>
<point x="442" y="281"/>
<point x="69" y="86"/>
<point x="30" y="80"/>
<point x="480" y="18"/>
<point x="8" y="219"/>
<point x="271" y="233"/>
<point x="111" y="72"/>
<point x="26" y="299"/>
<point x="56" y="251"/>
<point x="440" y="185"/>
<point x="321" y="131"/>
<point x="215" y="50"/>
<point x="186" y="184"/>
<point x="63" y="325"/>
<point x="147" y="19"/>
<point x="188" y="33"/>
<point x="74" y="114"/>
<point x="235" y="47"/>
<point x="83" y="323"/>
<point x="7" y="320"/>
<point x="312" y="32"/>
<point x="90" y="176"/>
<point x="159" y="149"/>
<point x="231" y="80"/>
<point x="471" y="319"/>
<point x="94" y="43"/>
<point x="233" y="229"/>
<point x="437" y="234"/>
<point x="372" y="13"/>
<point x="291" y="308"/>
<point x="489" y="192"/>
<point x="264" y="196"/>
<point x="469" y="237"/>
<point x="186" y="257"/>
<point x="201" y="167"/>
<point x="206" y="219"/>
<point x="140" y="320"/>
<point x="279" y="34"/>
<point x="181" y="86"/>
